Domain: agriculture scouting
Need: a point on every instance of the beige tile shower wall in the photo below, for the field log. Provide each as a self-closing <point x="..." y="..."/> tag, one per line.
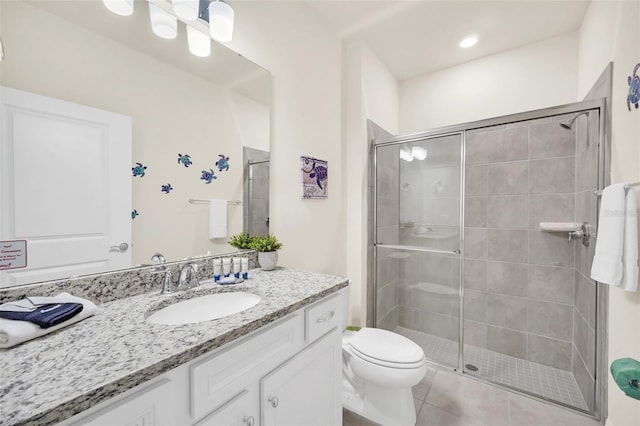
<point x="519" y="281"/>
<point x="428" y="289"/>
<point x="387" y="210"/>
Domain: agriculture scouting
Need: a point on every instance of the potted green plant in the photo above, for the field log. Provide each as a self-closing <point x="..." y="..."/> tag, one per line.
<point x="267" y="247"/>
<point x="241" y="241"/>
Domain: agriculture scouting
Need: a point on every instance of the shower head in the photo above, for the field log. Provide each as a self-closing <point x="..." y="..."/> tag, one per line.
<point x="568" y="123"/>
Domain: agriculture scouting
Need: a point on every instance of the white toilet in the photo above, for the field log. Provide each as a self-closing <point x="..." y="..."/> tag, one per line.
<point x="379" y="368"/>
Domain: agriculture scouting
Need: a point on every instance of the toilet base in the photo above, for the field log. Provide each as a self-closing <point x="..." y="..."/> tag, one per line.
<point x="381" y="405"/>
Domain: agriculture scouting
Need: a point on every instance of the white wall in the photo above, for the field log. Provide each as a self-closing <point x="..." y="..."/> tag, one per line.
<point x="304" y="58"/>
<point x="253" y="121"/>
<point x="381" y="92"/>
<point x="370" y="92"/>
<point x="610" y="32"/>
<point x="535" y="76"/>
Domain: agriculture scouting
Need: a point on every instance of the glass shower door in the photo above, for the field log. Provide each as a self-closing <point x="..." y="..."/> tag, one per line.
<point x="417" y="221"/>
<point x="258" y="198"/>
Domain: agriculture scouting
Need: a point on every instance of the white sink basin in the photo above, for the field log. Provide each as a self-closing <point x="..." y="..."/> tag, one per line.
<point x="205" y="308"/>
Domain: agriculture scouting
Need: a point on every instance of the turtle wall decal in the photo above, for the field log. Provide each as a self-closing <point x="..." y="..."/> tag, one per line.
<point x="223" y="163"/>
<point x="185" y="160"/>
<point x="634" y="88"/>
<point x="208" y="176"/>
<point x="138" y="170"/>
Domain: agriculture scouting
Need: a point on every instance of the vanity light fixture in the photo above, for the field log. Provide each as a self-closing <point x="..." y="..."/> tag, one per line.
<point x="221" y="17"/>
<point x="120" y="7"/>
<point x="163" y="24"/>
<point x="186" y="9"/>
<point x="469" y="41"/>
<point x="199" y="43"/>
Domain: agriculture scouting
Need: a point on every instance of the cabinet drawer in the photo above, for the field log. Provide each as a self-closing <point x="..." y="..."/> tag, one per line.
<point x="151" y="405"/>
<point x="241" y="410"/>
<point x="322" y="317"/>
<point x="227" y="372"/>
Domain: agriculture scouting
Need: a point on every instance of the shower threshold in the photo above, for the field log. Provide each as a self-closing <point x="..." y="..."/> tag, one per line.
<point x="537" y="379"/>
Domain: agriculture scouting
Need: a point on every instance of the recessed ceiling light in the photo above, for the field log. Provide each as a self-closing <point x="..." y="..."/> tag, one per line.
<point x="468" y="41"/>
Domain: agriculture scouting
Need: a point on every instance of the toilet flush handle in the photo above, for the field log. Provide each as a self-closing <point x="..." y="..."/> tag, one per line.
<point x="331" y="314"/>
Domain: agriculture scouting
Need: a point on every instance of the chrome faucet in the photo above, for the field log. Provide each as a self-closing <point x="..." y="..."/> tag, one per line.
<point x="188" y="276"/>
<point x="159" y="260"/>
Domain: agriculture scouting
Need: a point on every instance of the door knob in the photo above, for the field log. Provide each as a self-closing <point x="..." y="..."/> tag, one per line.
<point x="122" y="247"/>
<point x="274" y="401"/>
<point x="249" y="420"/>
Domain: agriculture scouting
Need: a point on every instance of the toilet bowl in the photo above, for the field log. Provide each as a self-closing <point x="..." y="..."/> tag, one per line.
<point x="379" y="368"/>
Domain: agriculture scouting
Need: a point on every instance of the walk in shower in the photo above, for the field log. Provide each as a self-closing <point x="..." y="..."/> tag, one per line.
<point x="461" y="266"/>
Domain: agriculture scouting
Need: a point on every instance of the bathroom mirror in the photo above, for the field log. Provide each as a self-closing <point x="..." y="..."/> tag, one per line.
<point x="191" y="117"/>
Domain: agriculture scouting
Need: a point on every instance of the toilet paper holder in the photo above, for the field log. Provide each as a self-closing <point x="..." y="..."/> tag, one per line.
<point x="584" y="233"/>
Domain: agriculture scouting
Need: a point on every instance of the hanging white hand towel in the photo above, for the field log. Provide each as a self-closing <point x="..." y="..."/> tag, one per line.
<point x="217" y="219"/>
<point x="607" y="262"/>
<point x="616" y="257"/>
<point x="630" y="249"/>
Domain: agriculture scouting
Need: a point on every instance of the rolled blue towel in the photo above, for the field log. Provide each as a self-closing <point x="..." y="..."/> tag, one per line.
<point x="626" y="373"/>
<point x="47" y="315"/>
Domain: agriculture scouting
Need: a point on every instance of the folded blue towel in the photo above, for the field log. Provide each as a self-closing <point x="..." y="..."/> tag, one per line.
<point x="47" y="315"/>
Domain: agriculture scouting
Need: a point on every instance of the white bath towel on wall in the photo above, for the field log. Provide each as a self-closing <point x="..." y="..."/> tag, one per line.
<point x="217" y="219"/>
<point x="616" y="255"/>
<point x="630" y="252"/>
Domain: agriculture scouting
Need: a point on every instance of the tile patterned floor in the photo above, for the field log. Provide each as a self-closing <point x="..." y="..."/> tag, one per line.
<point x="547" y="382"/>
<point x="445" y="398"/>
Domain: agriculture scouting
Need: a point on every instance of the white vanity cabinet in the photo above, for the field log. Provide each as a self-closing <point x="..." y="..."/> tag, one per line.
<point x="305" y="390"/>
<point x="286" y="373"/>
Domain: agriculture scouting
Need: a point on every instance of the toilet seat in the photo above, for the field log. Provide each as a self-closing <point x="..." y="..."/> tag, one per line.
<point x="387" y="349"/>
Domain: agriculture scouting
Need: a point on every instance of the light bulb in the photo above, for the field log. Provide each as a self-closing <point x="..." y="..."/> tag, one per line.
<point x="221" y="21"/>
<point x="119" y="7"/>
<point x="405" y="154"/>
<point x="186" y="9"/>
<point x="163" y="24"/>
<point x="469" y="41"/>
<point x="199" y="43"/>
<point x="419" y="153"/>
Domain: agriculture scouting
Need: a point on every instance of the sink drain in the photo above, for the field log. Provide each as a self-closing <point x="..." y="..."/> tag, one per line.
<point x="471" y="367"/>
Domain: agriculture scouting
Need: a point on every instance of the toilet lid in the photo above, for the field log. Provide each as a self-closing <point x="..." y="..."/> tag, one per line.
<point x="375" y="344"/>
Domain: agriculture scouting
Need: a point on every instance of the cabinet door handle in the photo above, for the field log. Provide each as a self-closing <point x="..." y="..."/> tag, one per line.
<point x="274" y="401"/>
<point x="248" y="420"/>
<point x="327" y="318"/>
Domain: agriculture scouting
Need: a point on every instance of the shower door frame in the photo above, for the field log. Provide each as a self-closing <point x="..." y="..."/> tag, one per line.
<point x="603" y="179"/>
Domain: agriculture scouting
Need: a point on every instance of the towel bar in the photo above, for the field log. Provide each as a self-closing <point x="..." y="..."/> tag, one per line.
<point x="197" y="201"/>
<point x="627" y="186"/>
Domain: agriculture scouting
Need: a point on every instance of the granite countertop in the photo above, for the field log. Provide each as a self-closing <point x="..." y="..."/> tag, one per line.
<point x="49" y="379"/>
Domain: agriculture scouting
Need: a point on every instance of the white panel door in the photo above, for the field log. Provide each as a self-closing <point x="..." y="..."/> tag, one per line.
<point x="65" y="186"/>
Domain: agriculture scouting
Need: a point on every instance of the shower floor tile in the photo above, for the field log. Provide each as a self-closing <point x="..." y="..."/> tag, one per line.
<point x="546" y="382"/>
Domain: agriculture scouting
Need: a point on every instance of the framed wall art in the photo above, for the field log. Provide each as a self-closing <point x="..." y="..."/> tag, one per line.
<point x="315" y="177"/>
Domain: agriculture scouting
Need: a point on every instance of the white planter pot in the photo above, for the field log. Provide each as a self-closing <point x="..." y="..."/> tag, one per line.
<point x="267" y="260"/>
